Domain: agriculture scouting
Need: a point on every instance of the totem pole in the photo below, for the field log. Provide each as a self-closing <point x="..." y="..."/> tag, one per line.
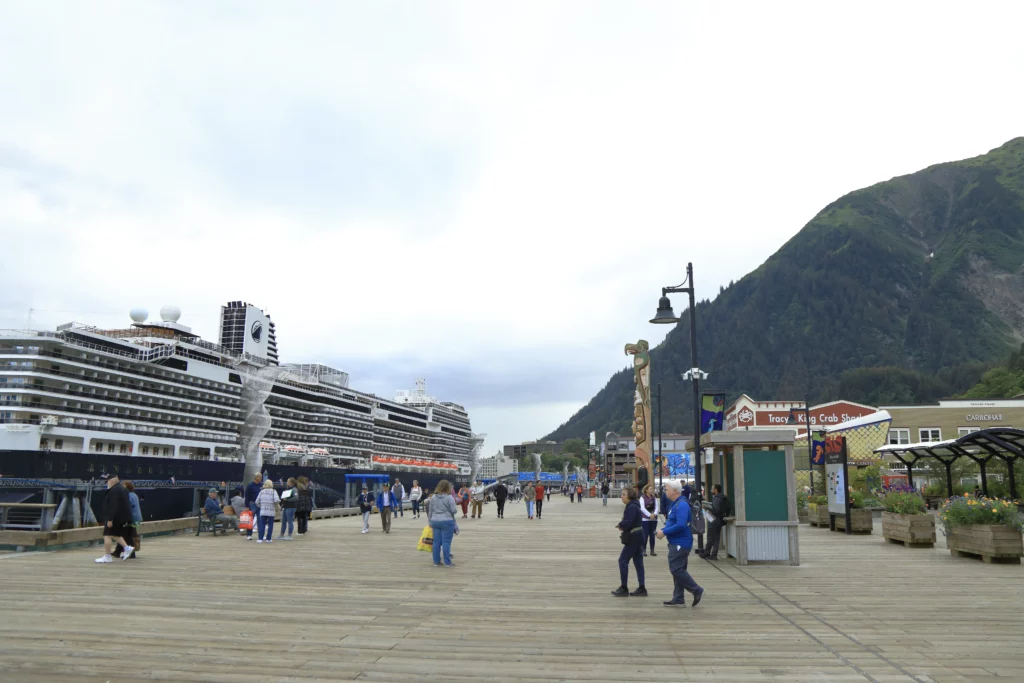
<point x="641" y="411"/>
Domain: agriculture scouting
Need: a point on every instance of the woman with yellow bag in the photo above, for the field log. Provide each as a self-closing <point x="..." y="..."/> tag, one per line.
<point x="441" y="517"/>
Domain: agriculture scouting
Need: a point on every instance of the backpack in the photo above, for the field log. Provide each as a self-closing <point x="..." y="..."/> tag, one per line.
<point x="697" y="521"/>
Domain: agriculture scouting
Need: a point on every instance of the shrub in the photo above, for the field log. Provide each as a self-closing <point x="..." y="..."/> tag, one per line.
<point x="964" y="510"/>
<point x="856" y="500"/>
<point x="801" y="500"/>
<point x="904" y="503"/>
<point x="819" y="500"/>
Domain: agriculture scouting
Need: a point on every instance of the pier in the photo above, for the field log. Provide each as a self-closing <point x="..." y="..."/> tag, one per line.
<point x="528" y="601"/>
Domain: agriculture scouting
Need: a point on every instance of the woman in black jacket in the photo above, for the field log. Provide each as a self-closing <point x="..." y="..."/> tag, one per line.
<point x="305" y="505"/>
<point x="632" y="536"/>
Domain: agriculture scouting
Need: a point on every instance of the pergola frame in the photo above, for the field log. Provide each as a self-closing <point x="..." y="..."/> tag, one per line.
<point x="981" y="446"/>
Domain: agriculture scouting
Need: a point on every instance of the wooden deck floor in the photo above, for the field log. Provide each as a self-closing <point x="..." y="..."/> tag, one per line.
<point x="527" y="601"/>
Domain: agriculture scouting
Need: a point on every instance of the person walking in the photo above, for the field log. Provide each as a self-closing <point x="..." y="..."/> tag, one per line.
<point x="397" y="499"/>
<point x="136" y="525"/>
<point x="500" y="496"/>
<point x="289" y="504"/>
<point x="572" y="494"/>
<point x="478" y="500"/>
<point x="251" y="492"/>
<point x="529" y="495"/>
<point x="719" y="510"/>
<point x="117" y="509"/>
<point x="441" y="514"/>
<point x="415" y="493"/>
<point x="366" y="507"/>
<point x="579" y="493"/>
<point x="632" y="536"/>
<point x="539" y="491"/>
<point x="604" y="493"/>
<point x="267" y="502"/>
<point x="463" y="500"/>
<point x="680" y="542"/>
<point x="547" y="492"/>
<point x="304" y="504"/>
<point x="384" y="508"/>
<point x="650" y="508"/>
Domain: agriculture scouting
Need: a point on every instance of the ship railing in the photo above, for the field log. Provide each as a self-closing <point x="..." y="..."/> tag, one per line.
<point x="143" y="434"/>
<point x="24" y="516"/>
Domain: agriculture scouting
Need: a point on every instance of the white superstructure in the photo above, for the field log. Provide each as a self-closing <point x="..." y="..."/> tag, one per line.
<point x="157" y="389"/>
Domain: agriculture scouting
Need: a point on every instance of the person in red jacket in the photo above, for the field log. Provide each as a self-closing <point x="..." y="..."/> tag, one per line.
<point x="540" y="498"/>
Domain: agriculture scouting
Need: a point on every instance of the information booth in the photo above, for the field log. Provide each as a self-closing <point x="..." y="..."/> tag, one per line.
<point x="755" y="471"/>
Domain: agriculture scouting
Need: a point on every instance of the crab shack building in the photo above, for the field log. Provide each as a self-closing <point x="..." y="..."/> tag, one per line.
<point x="747" y="414"/>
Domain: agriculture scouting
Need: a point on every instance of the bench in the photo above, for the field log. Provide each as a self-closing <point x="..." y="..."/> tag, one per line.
<point x="207" y="524"/>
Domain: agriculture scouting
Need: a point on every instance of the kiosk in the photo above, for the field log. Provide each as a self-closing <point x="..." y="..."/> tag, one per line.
<point x="755" y="471"/>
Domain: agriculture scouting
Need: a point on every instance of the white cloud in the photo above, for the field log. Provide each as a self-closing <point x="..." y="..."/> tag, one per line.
<point x="505" y="186"/>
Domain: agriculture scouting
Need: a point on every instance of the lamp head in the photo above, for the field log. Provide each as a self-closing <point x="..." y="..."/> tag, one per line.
<point x="664" y="316"/>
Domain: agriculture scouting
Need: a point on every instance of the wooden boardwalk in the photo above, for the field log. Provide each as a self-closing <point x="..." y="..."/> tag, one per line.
<point x="527" y="601"/>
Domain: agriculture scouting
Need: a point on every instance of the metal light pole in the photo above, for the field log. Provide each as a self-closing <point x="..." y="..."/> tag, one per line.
<point x="661" y="463"/>
<point x="810" y="441"/>
<point x="665" y="316"/>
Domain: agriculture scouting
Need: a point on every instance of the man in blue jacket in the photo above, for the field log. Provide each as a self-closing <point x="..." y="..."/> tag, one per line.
<point x="384" y="507"/>
<point x="680" y="542"/>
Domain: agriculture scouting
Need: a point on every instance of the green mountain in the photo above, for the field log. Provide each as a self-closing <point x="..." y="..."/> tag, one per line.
<point x="1005" y="381"/>
<point x="908" y="290"/>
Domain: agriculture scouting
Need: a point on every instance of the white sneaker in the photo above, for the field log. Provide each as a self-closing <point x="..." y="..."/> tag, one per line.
<point x="127" y="552"/>
<point x="269" y="540"/>
<point x="106" y="559"/>
<point x="248" y="538"/>
<point x="259" y="540"/>
<point x="363" y="531"/>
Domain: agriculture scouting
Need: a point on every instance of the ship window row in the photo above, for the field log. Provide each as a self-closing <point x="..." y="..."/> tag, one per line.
<point x="125" y="414"/>
<point x="141" y="381"/>
<point x="129" y="399"/>
<point x="118" y="406"/>
<point x="135" y="370"/>
<point x="213" y="400"/>
<point x="277" y="413"/>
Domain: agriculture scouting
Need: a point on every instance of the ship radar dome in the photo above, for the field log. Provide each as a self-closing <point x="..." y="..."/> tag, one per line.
<point x="170" y="314"/>
<point x="139" y="315"/>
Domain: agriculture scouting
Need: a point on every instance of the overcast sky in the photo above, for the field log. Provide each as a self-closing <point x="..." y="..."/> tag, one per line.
<point x="488" y="195"/>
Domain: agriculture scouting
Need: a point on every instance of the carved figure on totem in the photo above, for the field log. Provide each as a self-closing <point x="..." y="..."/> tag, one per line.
<point x="641" y="410"/>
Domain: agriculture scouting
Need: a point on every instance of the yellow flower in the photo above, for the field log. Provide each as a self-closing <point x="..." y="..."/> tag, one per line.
<point x="993" y="509"/>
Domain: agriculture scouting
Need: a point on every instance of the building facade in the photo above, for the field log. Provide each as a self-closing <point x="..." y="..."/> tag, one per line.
<point x="619" y="453"/>
<point x="746" y="413"/>
<point x="498" y="465"/>
<point x="951" y="419"/>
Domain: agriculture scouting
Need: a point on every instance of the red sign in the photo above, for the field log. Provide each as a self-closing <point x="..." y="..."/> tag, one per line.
<point x="822" y="416"/>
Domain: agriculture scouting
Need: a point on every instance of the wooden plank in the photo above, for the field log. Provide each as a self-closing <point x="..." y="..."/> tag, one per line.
<point x="528" y="601"/>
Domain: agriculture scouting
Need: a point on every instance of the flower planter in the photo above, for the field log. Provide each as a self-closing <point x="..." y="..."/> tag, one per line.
<point x="860" y="521"/>
<point x="817" y="515"/>
<point x="801" y="515"/>
<point x="990" y="542"/>
<point x="917" y="531"/>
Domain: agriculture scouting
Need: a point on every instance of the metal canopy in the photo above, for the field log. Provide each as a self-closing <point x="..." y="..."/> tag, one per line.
<point x="1004" y="443"/>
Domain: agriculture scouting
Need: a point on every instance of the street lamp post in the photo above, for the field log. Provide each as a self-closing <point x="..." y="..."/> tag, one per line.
<point x="661" y="463"/>
<point x="665" y="316"/>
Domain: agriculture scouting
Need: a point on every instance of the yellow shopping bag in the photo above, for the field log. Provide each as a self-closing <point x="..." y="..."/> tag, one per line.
<point x="426" y="543"/>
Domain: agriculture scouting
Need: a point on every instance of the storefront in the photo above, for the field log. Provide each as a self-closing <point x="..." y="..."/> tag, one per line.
<point x="951" y="419"/>
<point x="747" y="414"/>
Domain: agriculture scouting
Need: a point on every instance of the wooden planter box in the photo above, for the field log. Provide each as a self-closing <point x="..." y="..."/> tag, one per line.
<point x="990" y="542"/>
<point x="860" y="521"/>
<point x="817" y="515"/>
<point x="801" y="515"/>
<point x="916" y="531"/>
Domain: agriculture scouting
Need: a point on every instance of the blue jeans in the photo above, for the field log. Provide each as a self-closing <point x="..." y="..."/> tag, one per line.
<point x="681" y="580"/>
<point x="415" y="507"/>
<point x="255" y="510"/>
<point x="287" y="520"/>
<point x="529" y="508"/>
<point x="266" y="523"/>
<point x="444" y="531"/>
<point x="397" y="510"/>
<point x="650" y="531"/>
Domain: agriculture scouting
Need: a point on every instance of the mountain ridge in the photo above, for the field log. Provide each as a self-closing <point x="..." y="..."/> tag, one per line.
<point x="906" y="290"/>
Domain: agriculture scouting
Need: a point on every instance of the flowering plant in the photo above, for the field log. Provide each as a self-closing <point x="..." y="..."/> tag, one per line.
<point x="905" y="502"/>
<point x="963" y="510"/>
<point x="900" y="488"/>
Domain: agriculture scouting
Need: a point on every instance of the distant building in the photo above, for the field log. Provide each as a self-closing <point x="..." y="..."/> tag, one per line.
<point x="620" y="451"/>
<point x="517" y="451"/>
<point x="498" y="465"/>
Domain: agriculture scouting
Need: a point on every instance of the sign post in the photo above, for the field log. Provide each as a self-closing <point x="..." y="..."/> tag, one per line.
<point x="837" y="480"/>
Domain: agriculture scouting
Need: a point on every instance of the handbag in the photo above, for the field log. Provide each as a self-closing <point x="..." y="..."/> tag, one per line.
<point x="625" y="535"/>
<point x="426" y="542"/>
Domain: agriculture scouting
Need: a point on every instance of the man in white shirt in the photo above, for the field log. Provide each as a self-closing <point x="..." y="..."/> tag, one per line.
<point x="478" y="500"/>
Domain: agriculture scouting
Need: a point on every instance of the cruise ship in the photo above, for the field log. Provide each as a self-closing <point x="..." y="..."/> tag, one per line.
<point x="156" y="389"/>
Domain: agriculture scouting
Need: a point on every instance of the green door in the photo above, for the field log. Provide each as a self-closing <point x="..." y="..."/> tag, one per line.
<point x="764" y="477"/>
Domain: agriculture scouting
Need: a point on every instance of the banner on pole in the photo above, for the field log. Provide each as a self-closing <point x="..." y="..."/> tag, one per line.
<point x="835" y="482"/>
<point x="712" y="412"/>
